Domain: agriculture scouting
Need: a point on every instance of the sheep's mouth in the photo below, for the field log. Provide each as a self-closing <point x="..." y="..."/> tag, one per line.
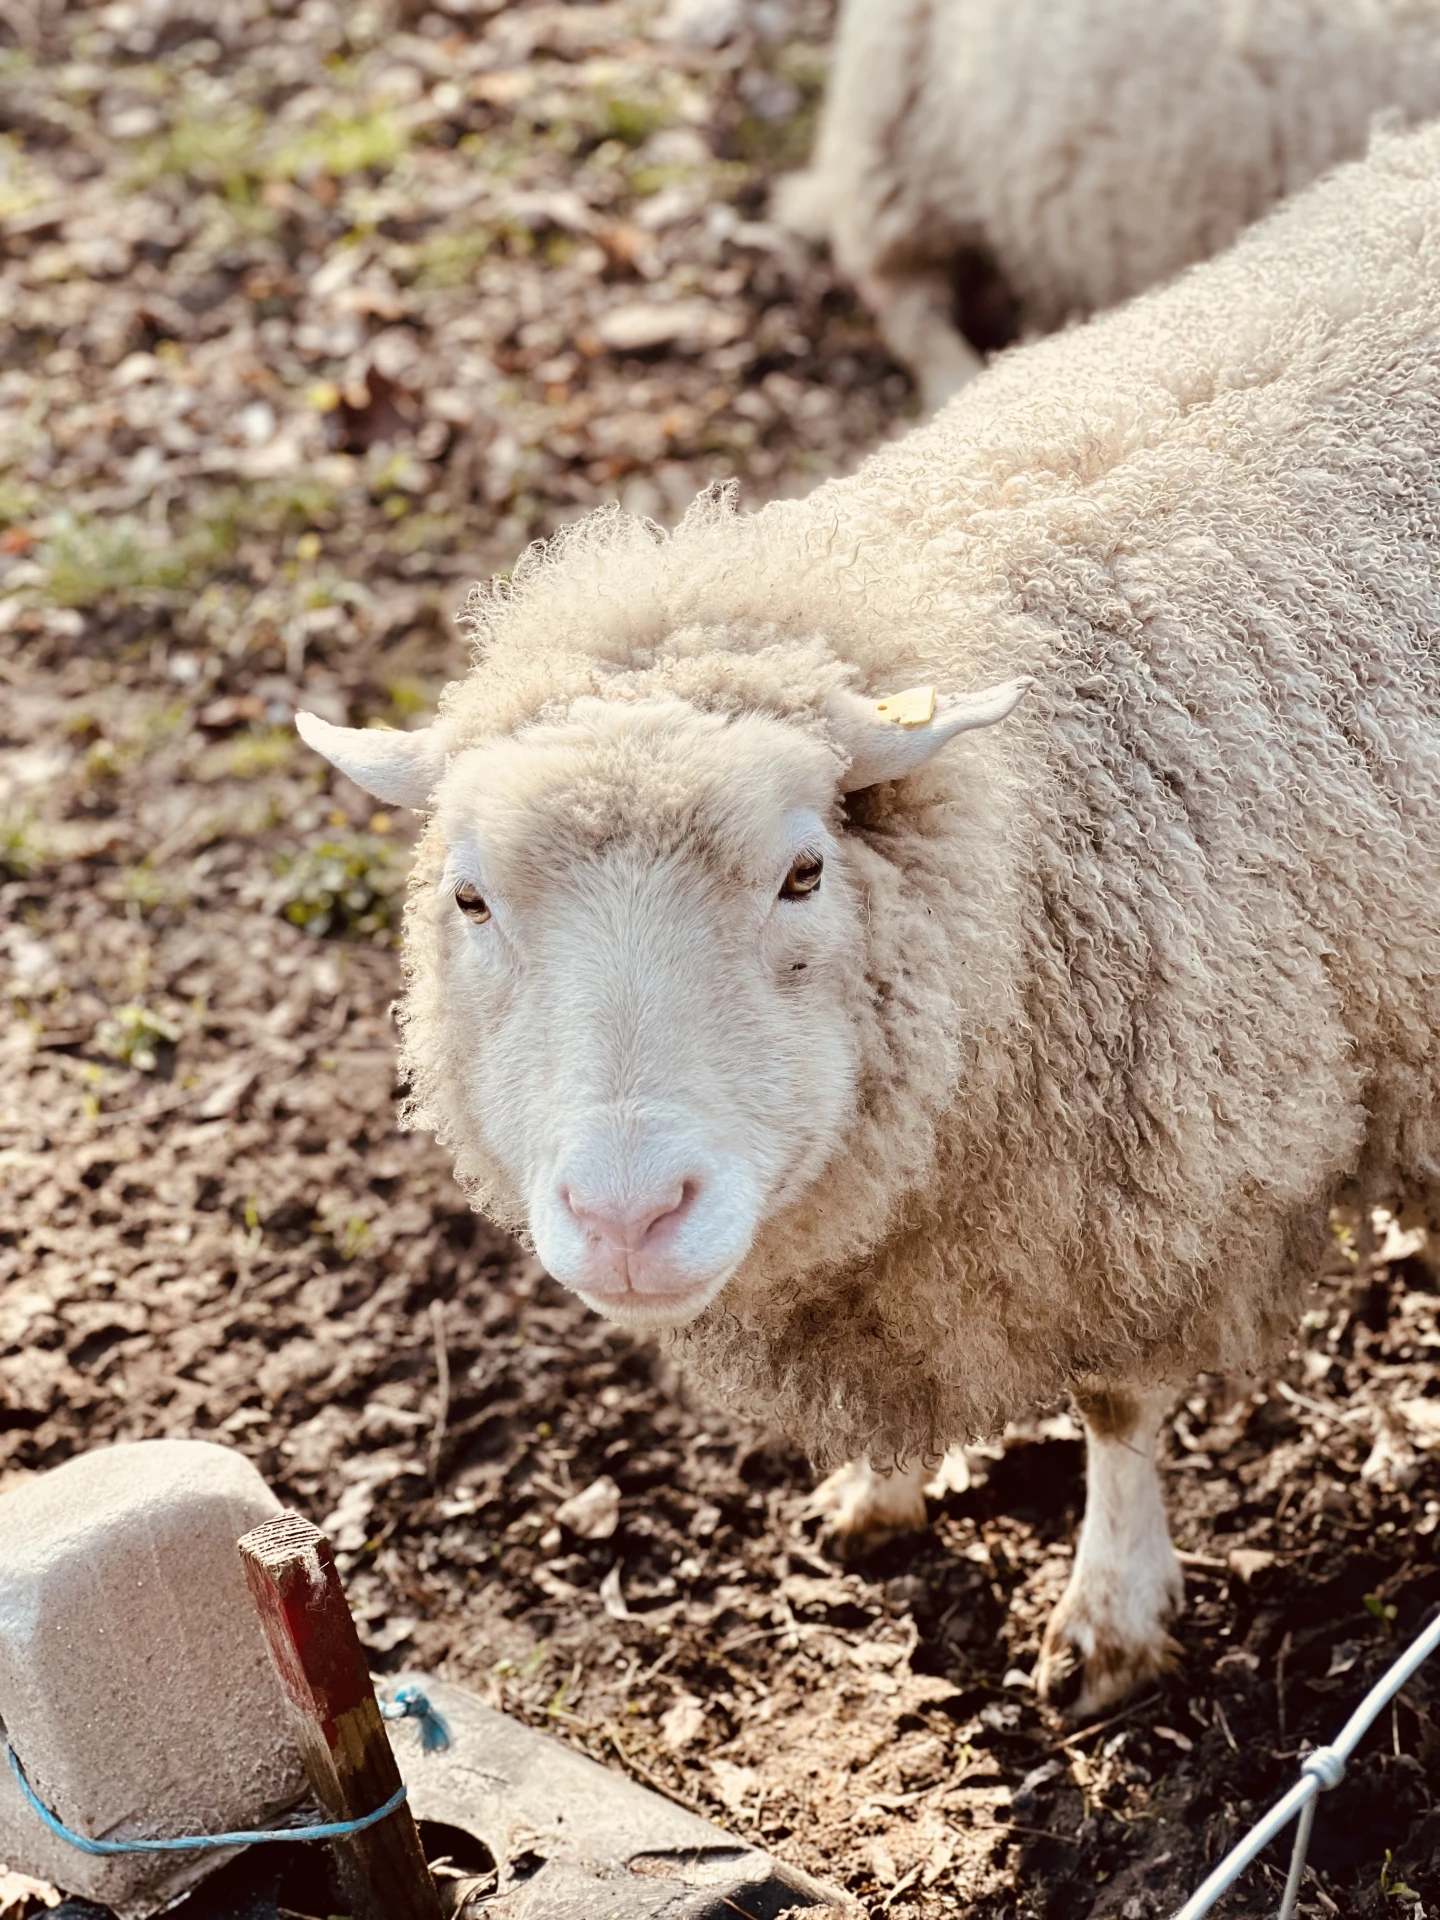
<point x="654" y="1308"/>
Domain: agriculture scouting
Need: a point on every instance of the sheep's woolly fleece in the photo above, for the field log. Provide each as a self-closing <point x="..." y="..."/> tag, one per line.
<point x="1150" y="973"/>
<point x="1094" y="148"/>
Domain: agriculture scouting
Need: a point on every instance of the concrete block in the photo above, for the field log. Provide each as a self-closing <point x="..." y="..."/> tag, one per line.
<point x="134" y="1681"/>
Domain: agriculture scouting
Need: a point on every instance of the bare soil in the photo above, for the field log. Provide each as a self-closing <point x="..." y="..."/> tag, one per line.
<point x="314" y="314"/>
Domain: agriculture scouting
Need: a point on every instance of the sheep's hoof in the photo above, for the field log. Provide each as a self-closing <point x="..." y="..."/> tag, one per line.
<point x="861" y="1510"/>
<point x="1086" y="1666"/>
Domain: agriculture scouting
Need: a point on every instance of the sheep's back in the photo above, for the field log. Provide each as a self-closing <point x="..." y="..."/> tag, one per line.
<point x="1209" y="526"/>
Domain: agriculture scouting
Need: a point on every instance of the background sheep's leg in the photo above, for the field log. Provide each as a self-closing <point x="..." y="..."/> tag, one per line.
<point x="1108" y="1635"/>
<point x="861" y="1509"/>
<point x="916" y="314"/>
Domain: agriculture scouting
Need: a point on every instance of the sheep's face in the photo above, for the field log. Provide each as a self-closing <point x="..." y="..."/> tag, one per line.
<point x="652" y="941"/>
<point x="654" y="965"/>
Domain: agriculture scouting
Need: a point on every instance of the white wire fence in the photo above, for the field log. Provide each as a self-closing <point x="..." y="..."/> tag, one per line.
<point x="1319" y="1771"/>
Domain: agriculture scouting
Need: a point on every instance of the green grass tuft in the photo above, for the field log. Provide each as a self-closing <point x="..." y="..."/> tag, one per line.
<point x="340" y="145"/>
<point x="135" y="1035"/>
<point x="350" y="886"/>
<point x="93" y="562"/>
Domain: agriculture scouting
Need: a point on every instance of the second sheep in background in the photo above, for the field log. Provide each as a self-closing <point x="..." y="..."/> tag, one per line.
<point x="1082" y="151"/>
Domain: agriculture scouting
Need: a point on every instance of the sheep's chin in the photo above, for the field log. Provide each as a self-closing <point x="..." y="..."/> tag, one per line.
<point x="654" y="1312"/>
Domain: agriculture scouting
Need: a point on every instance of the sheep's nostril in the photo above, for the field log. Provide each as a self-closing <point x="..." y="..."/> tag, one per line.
<point x="630" y="1223"/>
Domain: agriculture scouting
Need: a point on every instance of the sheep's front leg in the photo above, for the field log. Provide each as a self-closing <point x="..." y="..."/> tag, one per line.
<point x="861" y="1509"/>
<point x="917" y="323"/>
<point x="1108" y="1634"/>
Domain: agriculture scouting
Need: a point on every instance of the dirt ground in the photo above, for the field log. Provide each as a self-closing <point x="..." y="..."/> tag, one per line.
<point x="314" y="313"/>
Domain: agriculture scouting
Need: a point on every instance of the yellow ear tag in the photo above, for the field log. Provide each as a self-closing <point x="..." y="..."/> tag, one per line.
<point x="913" y="708"/>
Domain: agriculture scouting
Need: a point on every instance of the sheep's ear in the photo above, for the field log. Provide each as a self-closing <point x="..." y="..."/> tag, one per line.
<point x="892" y="737"/>
<point x="402" y="769"/>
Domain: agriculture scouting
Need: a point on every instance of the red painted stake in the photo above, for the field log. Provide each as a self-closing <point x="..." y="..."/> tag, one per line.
<point x="346" y="1750"/>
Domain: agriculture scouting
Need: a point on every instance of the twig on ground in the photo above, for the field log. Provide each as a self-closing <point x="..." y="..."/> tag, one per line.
<point x="49" y="1038"/>
<point x="1338" y="1416"/>
<point x="634" y="1765"/>
<point x="1280" y="1659"/>
<point x="768" y="1633"/>
<point x="1313" y="1881"/>
<point x="144" y="1116"/>
<point x="665" y="1658"/>
<point x="901" y="1886"/>
<point x="179" y="839"/>
<point x="442" y="1385"/>
<point x="1099" y="1726"/>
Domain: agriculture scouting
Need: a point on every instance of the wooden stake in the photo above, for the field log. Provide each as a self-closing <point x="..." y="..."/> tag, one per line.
<point x="346" y="1750"/>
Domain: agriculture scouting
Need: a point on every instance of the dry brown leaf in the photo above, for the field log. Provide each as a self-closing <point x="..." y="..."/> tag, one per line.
<point x="1248" y="1561"/>
<point x="594" y="1513"/>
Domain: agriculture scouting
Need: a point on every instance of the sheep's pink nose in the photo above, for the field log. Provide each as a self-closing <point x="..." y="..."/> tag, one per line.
<point x="631" y="1223"/>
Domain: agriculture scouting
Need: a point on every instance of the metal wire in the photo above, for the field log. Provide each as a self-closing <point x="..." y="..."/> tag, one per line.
<point x="1319" y="1772"/>
<point x="1297" y="1858"/>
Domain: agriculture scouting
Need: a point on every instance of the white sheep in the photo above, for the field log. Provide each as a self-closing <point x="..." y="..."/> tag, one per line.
<point x="917" y="1086"/>
<point x="1088" y="149"/>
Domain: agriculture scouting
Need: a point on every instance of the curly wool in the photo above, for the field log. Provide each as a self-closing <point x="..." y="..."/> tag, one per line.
<point x="1094" y="148"/>
<point x="1149" y="979"/>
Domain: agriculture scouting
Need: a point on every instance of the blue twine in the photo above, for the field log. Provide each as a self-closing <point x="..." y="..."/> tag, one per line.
<point x="410" y="1704"/>
<point x="194" y="1843"/>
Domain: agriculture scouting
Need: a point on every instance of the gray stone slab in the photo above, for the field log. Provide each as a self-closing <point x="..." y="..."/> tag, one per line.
<point x="574" y="1841"/>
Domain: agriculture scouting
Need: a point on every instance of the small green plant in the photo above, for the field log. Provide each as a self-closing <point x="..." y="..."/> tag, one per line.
<point x="448" y="260"/>
<point x="216" y="148"/>
<point x="632" y="121"/>
<point x="340" y="144"/>
<point x="22" y="851"/>
<point x="146" y="888"/>
<point x="349" y="885"/>
<point x="87" y="562"/>
<point x="250" y="756"/>
<point x="19" y="500"/>
<point x="1391" y="1885"/>
<point x="22" y="185"/>
<point x="1381" y="1610"/>
<point x="278" y="507"/>
<point x="409" y="696"/>
<point x="350" y="1237"/>
<point x="525" y="1669"/>
<point x="102" y="761"/>
<point x="134" y="1035"/>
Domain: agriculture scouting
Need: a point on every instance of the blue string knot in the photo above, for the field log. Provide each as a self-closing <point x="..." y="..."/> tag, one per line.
<point x="411" y="1704"/>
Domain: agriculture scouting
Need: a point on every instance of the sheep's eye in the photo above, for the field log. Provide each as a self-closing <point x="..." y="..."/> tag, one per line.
<point x="471" y="903"/>
<point x="803" y="878"/>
